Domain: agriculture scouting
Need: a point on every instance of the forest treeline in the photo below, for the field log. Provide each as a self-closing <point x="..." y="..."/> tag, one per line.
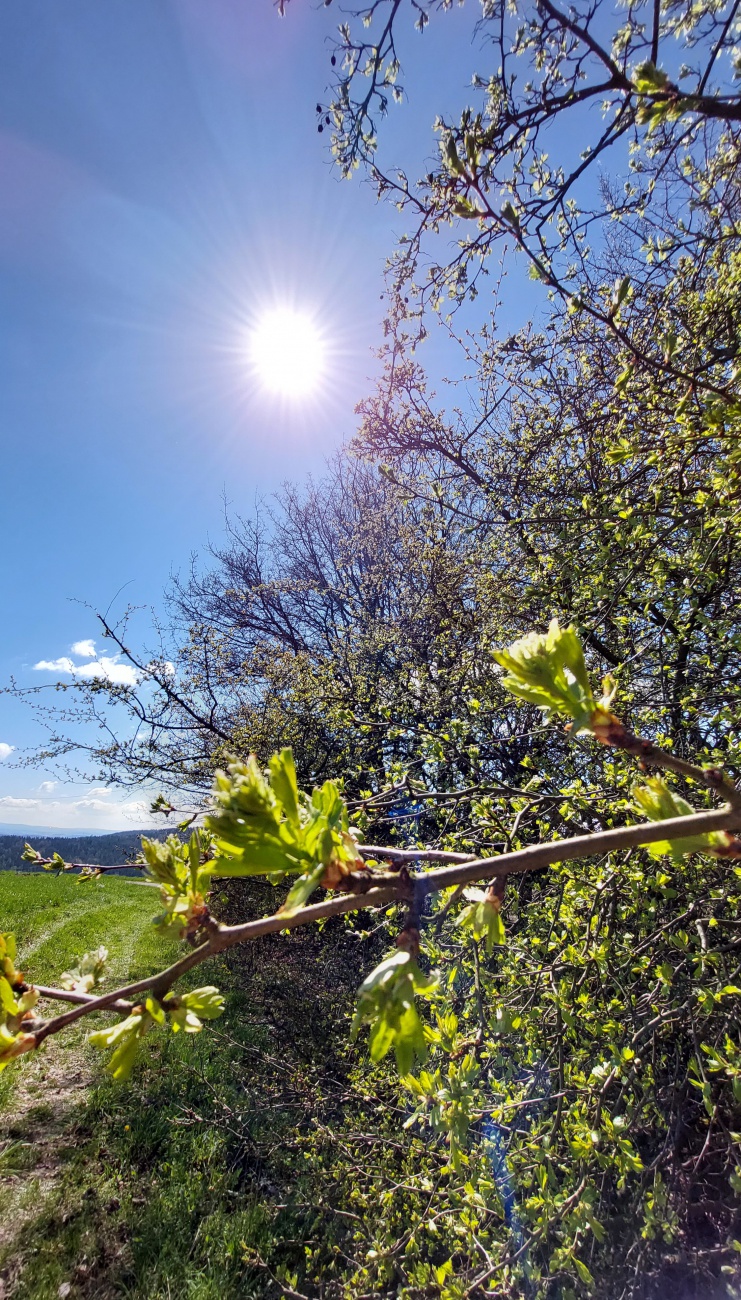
<point x="104" y="850"/>
<point x="583" y="1089"/>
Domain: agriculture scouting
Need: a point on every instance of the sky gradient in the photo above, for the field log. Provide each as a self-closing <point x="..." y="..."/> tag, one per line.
<point x="162" y="182"/>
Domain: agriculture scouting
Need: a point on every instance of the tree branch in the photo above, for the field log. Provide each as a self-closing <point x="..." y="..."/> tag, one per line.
<point x="380" y="892"/>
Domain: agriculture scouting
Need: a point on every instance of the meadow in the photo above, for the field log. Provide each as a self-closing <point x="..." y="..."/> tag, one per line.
<point x="218" y="1170"/>
<point x="101" y="1185"/>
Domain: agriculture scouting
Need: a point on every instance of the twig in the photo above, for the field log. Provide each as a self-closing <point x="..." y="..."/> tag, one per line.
<point x="82" y="999"/>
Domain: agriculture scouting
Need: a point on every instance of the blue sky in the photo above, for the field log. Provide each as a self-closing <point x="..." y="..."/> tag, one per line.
<point x="162" y="183"/>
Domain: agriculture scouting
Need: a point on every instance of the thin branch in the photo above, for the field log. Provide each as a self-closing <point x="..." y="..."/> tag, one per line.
<point x="718" y="47"/>
<point x="413" y="855"/>
<point x="159" y="983"/>
<point x="88" y="867"/>
<point x="80" y="999"/>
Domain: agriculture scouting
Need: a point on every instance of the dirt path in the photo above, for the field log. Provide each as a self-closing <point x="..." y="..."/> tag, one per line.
<point x="37" y="1129"/>
<point x="34" y="1133"/>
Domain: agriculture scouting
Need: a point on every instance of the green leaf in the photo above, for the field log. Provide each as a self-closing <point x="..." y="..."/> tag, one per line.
<point x="183" y="1018"/>
<point x="207" y="1003"/>
<point x="582" y="1271"/>
<point x="510" y="217"/>
<point x="7" y="998"/>
<point x="104" y="1038"/>
<point x="466" y="209"/>
<point x="156" y="1010"/>
<point x="549" y="670"/>
<point x="125" y="1038"/>
<point x="621" y="290"/>
<point x="283" y="779"/>
<point x="495" y="933"/>
<point x="483" y="919"/>
<point x="269" y="828"/>
<point x="386" y="1003"/>
<point x="624" y="378"/>
<point x="649" y="79"/>
<point x="124" y="1058"/>
<point x="302" y="890"/>
<point x="451" y="157"/>
<point x="659" y="803"/>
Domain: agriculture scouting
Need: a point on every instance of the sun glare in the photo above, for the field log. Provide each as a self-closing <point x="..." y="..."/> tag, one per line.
<point x="287" y="352"/>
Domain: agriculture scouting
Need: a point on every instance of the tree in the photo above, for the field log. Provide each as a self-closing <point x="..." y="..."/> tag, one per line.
<point x="664" y="81"/>
<point x="261" y="825"/>
<point x="614" y="500"/>
<point x="582" y="1069"/>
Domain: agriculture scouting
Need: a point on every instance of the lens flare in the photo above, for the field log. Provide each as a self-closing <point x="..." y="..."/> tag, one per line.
<point x="287" y="352"/>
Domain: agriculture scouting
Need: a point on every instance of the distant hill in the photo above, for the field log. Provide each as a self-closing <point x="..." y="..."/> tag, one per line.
<point x="103" y="850"/>
<point x="63" y="832"/>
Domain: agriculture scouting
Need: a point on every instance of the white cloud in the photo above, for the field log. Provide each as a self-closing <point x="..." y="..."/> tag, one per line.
<point x="46" y="787"/>
<point x="164" y="667"/>
<point x="85" y="649"/>
<point x="63" y="665"/>
<point x="88" y="810"/>
<point x="107" y="667"/>
<point x="5" y="750"/>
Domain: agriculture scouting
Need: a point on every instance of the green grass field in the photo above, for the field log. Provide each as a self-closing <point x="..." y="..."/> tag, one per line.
<point x="211" y="1173"/>
<point x="55" y="919"/>
<point x="83" y="1161"/>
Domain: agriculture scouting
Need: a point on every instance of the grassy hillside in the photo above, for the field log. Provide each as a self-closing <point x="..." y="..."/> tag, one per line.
<point x="219" y="1170"/>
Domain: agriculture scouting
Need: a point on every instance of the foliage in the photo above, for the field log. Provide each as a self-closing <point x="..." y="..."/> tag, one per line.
<point x="658" y="802"/>
<point x="386" y="999"/>
<point x="263" y="825"/>
<point x="185" y="1013"/>
<point x="482" y="918"/>
<point x="270" y="827"/>
<point x="550" y="671"/>
<point x="664" y="78"/>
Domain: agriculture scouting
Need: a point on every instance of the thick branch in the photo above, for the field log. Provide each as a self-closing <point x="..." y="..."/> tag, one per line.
<point x="383" y="894"/>
<point x="584" y="846"/>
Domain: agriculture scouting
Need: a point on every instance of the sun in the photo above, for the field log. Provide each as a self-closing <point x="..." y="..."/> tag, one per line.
<point x="287" y="352"/>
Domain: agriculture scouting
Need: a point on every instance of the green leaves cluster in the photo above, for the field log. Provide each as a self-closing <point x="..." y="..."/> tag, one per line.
<point x="263" y="825"/>
<point x="550" y="671"/>
<point x="386" y="1001"/>
<point x="482" y="917"/>
<point x="56" y="862"/>
<point x="185" y="1013"/>
<point x="659" y="803"/>
<point x="447" y="1099"/>
<point x="183" y="872"/>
